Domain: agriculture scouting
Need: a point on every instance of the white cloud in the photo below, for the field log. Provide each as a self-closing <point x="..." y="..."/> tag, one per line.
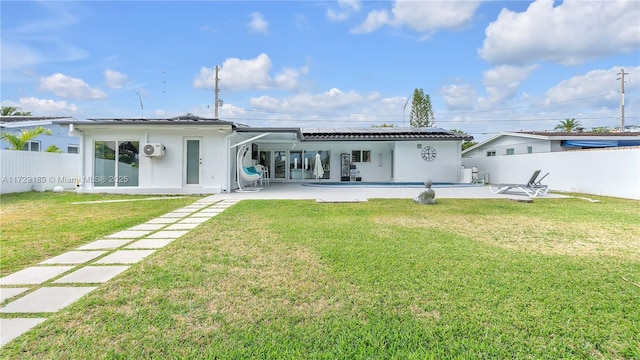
<point x="258" y="23"/>
<point x="375" y="20"/>
<point x="502" y="82"/>
<point x="114" y="79"/>
<point x="44" y="107"/>
<point x="332" y="100"/>
<point x="252" y="74"/>
<point x="459" y="97"/>
<point x="421" y="16"/>
<point x="569" y="33"/>
<point x="69" y="87"/>
<point x="596" y="88"/>
<point x="347" y="8"/>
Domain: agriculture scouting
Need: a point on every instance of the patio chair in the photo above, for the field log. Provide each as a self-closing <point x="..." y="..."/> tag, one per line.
<point x="532" y="188"/>
<point x="264" y="173"/>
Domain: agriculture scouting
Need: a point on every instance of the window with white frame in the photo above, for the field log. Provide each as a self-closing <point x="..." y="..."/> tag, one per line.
<point x="529" y="149"/>
<point x="72" y="149"/>
<point x="510" y="151"/>
<point x="32" y="146"/>
<point x="491" y="153"/>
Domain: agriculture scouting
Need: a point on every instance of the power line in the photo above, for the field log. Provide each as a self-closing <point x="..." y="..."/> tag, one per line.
<point x="437" y="113"/>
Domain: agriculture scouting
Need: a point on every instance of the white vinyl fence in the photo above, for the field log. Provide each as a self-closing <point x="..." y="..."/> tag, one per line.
<point x="607" y="172"/>
<point x="27" y="171"/>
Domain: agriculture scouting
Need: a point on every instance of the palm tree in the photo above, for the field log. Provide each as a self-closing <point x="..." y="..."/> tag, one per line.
<point x="13" y="111"/>
<point x="568" y="125"/>
<point x="53" y="149"/>
<point x="18" y="142"/>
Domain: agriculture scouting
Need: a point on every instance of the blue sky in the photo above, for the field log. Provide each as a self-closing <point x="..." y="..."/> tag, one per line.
<point x="487" y="66"/>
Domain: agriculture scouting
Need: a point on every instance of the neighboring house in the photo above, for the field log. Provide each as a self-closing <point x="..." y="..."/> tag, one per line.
<point x="590" y="163"/>
<point x="190" y="154"/>
<point x="514" y="143"/>
<point x="59" y="133"/>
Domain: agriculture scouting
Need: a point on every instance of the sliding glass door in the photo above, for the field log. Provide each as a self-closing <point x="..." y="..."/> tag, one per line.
<point x="295" y="165"/>
<point x="116" y="163"/>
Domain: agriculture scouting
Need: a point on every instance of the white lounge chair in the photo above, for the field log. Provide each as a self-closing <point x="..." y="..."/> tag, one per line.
<point x="532" y="188"/>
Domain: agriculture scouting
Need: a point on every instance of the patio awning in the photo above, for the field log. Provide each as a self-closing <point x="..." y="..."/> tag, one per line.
<point x="599" y="143"/>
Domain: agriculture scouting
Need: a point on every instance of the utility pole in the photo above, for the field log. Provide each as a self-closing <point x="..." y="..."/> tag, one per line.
<point x="216" y="93"/>
<point x="621" y="78"/>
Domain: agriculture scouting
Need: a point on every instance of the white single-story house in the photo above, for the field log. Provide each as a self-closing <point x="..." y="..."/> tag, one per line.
<point x="59" y="133"/>
<point x="190" y="154"/>
<point x="515" y="143"/>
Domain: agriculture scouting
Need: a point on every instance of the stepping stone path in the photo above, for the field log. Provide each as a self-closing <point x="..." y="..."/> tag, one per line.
<point x="58" y="282"/>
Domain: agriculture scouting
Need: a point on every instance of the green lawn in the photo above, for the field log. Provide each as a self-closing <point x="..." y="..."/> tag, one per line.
<point x="35" y="226"/>
<point x="385" y="279"/>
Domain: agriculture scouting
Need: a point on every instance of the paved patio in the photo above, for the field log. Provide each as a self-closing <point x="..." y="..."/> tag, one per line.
<point x="38" y="290"/>
<point x="342" y="193"/>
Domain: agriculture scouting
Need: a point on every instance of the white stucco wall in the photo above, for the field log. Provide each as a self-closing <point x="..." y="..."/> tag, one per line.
<point x="163" y="174"/>
<point x="410" y="167"/>
<point x="607" y="172"/>
<point x="379" y="169"/>
<point x="408" y="164"/>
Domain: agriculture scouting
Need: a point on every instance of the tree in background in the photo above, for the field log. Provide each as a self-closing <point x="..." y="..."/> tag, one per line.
<point x="53" y="149"/>
<point x="421" y="111"/>
<point x="568" y="125"/>
<point x="19" y="142"/>
<point x="13" y="111"/>
<point x="465" y="144"/>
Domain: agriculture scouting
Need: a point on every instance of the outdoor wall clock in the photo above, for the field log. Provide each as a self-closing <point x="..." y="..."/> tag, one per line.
<point x="428" y="153"/>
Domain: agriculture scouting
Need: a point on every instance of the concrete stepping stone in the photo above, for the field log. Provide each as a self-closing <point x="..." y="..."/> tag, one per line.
<point x="166" y="234"/>
<point x="196" y="207"/>
<point x="34" y="275"/>
<point x="192" y="220"/>
<point x="105" y="244"/>
<point x="202" y="215"/>
<point x="174" y="215"/>
<point x="92" y="274"/>
<point x="74" y="257"/>
<point x="12" y="328"/>
<point x="46" y="299"/>
<point x="125" y="257"/>
<point x="129" y="234"/>
<point x="181" y="226"/>
<point x="211" y="211"/>
<point x="149" y="244"/>
<point x="162" y="221"/>
<point x="182" y="211"/>
<point x="8" y="293"/>
<point x="147" y="227"/>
